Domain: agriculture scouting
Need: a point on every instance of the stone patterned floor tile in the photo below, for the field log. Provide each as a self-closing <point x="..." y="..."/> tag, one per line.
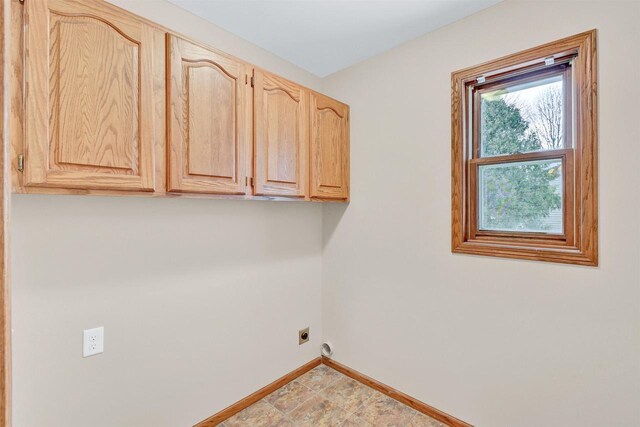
<point x="283" y="422"/>
<point x="383" y="411"/>
<point x="355" y="421"/>
<point x="287" y="398"/>
<point x="320" y="377"/>
<point x="323" y="397"/>
<point x="318" y="412"/>
<point x="348" y="393"/>
<point x="422" y="420"/>
<point x="260" y="414"/>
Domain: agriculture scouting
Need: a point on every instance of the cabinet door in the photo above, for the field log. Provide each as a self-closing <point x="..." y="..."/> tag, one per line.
<point x="329" y="169"/>
<point x="88" y="120"/>
<point x="281" y="118"/>
<point x="206" y="119"/>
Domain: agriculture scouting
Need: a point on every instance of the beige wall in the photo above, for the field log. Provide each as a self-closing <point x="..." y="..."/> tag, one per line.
<point x="201" y="300"/>
<point x="496" y="342"/>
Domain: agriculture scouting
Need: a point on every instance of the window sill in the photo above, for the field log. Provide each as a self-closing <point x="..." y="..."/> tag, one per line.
<point x="565" y="254"/>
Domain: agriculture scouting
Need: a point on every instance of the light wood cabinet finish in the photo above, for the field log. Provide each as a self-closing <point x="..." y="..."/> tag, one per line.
<point x="329" y="160"/>
<point x="104" y="102"/>
<point x="88" y="103"/>
<point x="206" y="120"/>
<point x="281" y="132"/>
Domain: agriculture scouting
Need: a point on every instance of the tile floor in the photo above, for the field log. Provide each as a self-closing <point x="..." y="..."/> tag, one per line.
<point x="325" y="397"/>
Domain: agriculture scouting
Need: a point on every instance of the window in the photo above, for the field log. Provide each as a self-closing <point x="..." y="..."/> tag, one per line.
<point x="524" y="139"/>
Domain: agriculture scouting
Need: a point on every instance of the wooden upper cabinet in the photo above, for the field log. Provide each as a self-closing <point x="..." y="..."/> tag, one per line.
<point x="329" y="168"/>
<point x="88" y="97"/>
<point x="112" y="102"/>
<point x="206" y="120"/>
<point x="281" y="122"/>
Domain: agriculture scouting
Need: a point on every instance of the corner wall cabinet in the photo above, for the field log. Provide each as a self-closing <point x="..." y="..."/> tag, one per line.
<point x="106" y="102"/>
<point x="329" y="168"/>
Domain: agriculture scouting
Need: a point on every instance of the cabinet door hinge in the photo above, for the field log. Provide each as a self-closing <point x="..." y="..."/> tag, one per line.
<point x="20" y="162"/>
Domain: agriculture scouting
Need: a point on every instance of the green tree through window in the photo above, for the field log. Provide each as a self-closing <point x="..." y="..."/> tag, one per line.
<point x="521" y="195"/>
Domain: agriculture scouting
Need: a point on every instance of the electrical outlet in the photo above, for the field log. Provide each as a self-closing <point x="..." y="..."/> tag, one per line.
<point x="92" y="341"/>
<point x="303" y="336"/>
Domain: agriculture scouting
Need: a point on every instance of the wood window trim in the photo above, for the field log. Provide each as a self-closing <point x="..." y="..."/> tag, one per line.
<point x="579" y="243"/>
<point x="5" y="207"/>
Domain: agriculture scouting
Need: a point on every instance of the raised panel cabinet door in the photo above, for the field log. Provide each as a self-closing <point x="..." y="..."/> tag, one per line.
<point x="88" y="110"/>
<point x="206" y="120"/>
<point x="329" y="169"/>
<point x="281" y="121"/>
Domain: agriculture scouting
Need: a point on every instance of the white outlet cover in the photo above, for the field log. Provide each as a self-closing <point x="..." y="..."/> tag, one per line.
<point x="92" y="341"/>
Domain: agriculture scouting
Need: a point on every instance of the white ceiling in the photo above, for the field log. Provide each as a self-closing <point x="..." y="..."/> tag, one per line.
<point x="324" y="36"/>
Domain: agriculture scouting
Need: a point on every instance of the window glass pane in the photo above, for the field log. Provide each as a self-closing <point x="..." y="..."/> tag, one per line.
<point x="523" y="118"/>
<point x="522" y="196"/>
